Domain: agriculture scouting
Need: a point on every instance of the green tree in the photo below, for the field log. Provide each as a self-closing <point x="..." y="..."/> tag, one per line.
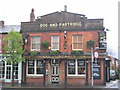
<point x="14" y="50"/>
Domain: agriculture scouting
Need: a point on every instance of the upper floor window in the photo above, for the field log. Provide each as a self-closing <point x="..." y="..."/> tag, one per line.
<point x="35" y="43"/>
<point x="55" y="42"/>
<point x="77" y="42"/>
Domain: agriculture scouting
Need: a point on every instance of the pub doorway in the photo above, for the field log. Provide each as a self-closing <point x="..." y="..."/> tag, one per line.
<point x="55" y="72"/>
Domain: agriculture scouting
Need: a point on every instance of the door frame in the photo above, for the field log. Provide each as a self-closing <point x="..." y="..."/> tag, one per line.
<point x="56" y="74"/>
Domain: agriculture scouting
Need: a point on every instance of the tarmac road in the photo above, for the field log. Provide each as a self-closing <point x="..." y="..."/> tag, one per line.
<point x="60" y="89"/>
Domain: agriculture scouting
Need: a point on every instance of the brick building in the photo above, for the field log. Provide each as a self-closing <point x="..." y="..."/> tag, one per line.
<point x="114" y="64"/>
<point x="6" y="68"/>
<point x="56" y="51"/>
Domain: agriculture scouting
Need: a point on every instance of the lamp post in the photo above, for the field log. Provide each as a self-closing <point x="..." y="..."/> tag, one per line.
<point x="25" y="41"/>
<point x="44" y="73"/>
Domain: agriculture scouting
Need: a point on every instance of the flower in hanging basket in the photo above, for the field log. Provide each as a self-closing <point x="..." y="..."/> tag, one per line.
<point x="90" y="43"/>
<point x="45" y="44"/>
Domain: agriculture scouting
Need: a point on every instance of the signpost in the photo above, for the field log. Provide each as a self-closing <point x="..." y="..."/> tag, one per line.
<point x="92" y="81"/>
<point x="95" y="55"/>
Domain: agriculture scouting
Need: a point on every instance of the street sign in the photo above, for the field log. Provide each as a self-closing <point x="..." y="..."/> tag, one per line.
<point x="96" y="54"/>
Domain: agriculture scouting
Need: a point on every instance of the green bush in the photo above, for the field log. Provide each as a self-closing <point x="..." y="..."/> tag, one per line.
<point x="54" y="52"/>
<point x="34" y="53"/>
<point x="77" y="51"/>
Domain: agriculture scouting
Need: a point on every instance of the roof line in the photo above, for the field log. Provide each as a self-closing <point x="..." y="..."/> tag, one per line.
<point x="62" y="12"/>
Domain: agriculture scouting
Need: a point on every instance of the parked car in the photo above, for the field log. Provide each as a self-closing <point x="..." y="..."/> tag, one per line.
<point x="112" y="74"/>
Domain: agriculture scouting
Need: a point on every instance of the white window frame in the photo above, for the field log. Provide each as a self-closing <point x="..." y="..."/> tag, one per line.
<point x="35" y="68"/>
<point x="76" y="69"/>
<point x="37" y="43"/>
<point x="52" y="42"/>
<point x="2" y="66"/>
<point x="79" y="42"/>
<point x="5" y="71"/>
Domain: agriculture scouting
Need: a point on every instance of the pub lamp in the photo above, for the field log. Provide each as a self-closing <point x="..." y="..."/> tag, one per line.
<point x="65" y="34"/>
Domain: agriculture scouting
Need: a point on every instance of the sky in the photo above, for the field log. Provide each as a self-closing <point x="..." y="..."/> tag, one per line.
<point x="13" y="12"/>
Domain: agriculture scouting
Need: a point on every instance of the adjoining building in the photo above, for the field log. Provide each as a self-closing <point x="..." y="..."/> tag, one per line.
<point x="6" y="68"/>
<point x="114" y="64"/>
<point x="56" y="51"/>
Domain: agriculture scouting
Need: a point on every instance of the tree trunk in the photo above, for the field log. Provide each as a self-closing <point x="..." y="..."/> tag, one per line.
<point x="12" y="73"/>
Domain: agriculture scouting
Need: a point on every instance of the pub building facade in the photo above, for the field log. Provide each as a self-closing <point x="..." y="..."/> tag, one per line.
<point x="56" y="52"/>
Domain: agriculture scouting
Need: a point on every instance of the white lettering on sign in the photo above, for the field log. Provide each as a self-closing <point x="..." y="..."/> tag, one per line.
<point x="75" y="24"/>
<point x="43" y="25"/>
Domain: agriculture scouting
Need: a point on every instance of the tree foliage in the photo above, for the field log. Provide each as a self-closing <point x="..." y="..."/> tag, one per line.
<point x="13" y="47"/>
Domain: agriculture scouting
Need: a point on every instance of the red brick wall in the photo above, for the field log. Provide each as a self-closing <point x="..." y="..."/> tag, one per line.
<point x="96" y="81"/>
<point x="71" y="80"/>
<point x="2" y="36"/>
<point x="78" y="81"/>
<point x="87" y="35"/>
<point x="62" y="73"/>
<point x="34" y="80"/>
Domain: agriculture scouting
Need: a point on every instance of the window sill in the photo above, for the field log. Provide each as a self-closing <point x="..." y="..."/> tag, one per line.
<point x="34" y="75"/>
<point x="77" y="49"/>
<point x="76" y="76"/>
<point x="35" y="50"/>
<point x="54" y="49"/>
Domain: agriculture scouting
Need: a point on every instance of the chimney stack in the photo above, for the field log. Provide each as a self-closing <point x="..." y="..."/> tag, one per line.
<point x="1" y="23"/>
<point x="65" y="8"/>
<point x="32" y="16"/>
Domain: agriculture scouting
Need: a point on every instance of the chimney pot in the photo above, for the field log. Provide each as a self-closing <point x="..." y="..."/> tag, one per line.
<point x="1" y="23"/>
<point x="65" y="8"/>
<point x="32" y="16"/>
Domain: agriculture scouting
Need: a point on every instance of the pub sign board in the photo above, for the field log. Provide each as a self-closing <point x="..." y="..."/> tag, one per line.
<point x="96" y="70"/>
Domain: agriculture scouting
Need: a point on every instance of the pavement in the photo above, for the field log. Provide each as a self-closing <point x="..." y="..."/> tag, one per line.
<point x="113" y="85"/>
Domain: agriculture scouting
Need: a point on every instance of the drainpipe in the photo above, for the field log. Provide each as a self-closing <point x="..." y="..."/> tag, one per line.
<point x="24" y="72"/>
<point x="86" y="72"/>
<point x="104" y="72"/>
<point x="65" y="84"/>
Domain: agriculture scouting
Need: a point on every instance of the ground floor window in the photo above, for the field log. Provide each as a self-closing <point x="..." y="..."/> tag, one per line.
<point x="6" y="70"/>
<point x="76" y="67"/>
<point x="35" y="67"/>
<point x="2" y="70"/>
